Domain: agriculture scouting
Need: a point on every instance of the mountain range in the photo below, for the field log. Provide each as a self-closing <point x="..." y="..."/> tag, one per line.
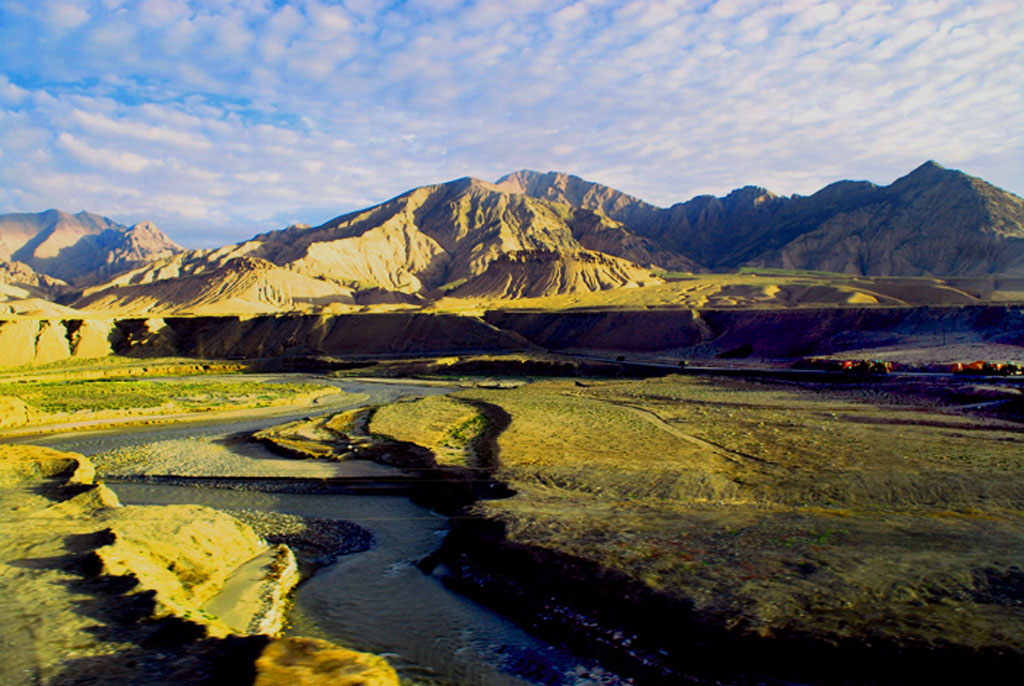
<point x="529" y="235"/>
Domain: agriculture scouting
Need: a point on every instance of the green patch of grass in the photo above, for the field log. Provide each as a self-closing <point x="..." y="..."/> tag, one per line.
<point x="75" y="366"/>
<point x="446" y="426"/>
<point x="467" y="432"/>
<point x="57" y="397"/>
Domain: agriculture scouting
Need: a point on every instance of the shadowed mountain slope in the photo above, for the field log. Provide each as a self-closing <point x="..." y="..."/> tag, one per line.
<point x="534" y="235"/>
<point x="933" y="221"/>
<point x="81" y="248"/>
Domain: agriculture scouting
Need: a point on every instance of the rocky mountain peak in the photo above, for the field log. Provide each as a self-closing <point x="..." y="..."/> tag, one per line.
<point x="80" y="247"/>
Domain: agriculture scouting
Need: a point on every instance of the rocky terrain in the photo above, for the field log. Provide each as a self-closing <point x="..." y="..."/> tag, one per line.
<point x="81" y="248"/>
<point x="528" y="236"/>
<point x="697" y="333"/>
<point x="240" y="285"/>
<point x="99" y="593"/>
<point x="933" y="221"/>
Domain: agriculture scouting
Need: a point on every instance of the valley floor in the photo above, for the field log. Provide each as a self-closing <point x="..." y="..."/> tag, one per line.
<point x="853" y="533"/>
<point x="700" y="527"/>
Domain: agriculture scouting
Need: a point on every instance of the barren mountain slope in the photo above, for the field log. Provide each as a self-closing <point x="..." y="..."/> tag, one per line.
<point x="540" y="273"/>
<point x="425" y="238"/>
<point x="82" y="248"/>
<point x="431" y="240"/>
<point x="241" y="285"/>
<point x="539" y="235"/>
<point x="933" y="221"/>
<point x="595" y="231"/>
<point x="20" y="275"/>
<point x="567" y="189"/>
<point x="693" y="233"/>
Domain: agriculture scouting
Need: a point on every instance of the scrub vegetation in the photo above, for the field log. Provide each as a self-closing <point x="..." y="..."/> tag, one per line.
<point x="75" y="396"/>
<point x="448" y="427"/>
<point x="50" y="400"/>
<point x="843" y="514"/>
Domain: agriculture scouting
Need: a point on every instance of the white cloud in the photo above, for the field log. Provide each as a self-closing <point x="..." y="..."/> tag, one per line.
<point x="93" y="157"/>
<point x="127" y="128"/>
<point x="155" y="13"/>
<point x="230" y="116"/>
<point x="10" y="93"/>
<point x="66" y="16"/>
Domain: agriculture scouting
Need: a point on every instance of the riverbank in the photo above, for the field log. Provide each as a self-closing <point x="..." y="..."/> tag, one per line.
<point x="95" y="592"/>
<point x="32" y="408"/>
<point x="678" y="529"/>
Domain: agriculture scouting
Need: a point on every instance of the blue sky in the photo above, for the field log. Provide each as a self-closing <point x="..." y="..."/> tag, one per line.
<point x="218" y="120"/>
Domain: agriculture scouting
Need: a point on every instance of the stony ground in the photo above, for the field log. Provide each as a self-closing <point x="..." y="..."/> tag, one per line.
<point x="206" y="457"/>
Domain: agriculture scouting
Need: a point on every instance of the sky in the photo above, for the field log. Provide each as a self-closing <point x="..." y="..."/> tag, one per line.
<point x="221" y="119"/>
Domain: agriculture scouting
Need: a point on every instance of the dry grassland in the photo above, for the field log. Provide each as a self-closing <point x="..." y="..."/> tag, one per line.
<point x="777" y="509"/>
<point x="52" y="399"/>
<point x="770" y="288"/>
<point x="447" y="427"/>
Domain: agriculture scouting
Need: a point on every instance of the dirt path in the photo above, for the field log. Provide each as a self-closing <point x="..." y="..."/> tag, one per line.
<point x="732" y="456"/>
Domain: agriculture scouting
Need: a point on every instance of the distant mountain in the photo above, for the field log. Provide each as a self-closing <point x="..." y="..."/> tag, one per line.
<point x="430" y="242"/>
<point x="81" y="248"/>
<point x="934" y="221"/>
<point x="531" y="235"/>
<point x="566" y="189"/>
<point x="432" y="237"/>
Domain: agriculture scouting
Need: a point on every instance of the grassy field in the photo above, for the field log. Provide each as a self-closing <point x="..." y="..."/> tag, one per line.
<point x="116" y="366"/>
<point x="55" y="397"/>
<point x="775" y="508"/>
<point x="448" y="427"/>
<point x="47" y="401"/>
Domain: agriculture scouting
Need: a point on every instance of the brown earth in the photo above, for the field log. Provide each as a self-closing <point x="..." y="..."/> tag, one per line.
<point x="776" y="333"/>
<point x="545" y="236"/>
<point x="241" y="285"/>
<point x="84" y="247"/>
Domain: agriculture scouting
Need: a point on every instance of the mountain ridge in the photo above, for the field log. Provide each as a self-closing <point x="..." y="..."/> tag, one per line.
<point x="82" y="248"/>
<point x="532" y="235"/>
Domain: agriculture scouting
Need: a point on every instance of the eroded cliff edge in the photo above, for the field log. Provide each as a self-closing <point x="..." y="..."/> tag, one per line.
<point x="96" y="592"/>
<point x="777" y="333"/>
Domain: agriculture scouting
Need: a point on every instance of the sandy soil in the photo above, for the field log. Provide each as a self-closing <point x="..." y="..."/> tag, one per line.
<point x="41" y="424"/>
<point x="207" y="457"/>
<point x="83" y="580"/>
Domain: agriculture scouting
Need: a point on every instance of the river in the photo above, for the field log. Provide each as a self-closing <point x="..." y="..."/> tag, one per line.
<point x="375" y="601"/>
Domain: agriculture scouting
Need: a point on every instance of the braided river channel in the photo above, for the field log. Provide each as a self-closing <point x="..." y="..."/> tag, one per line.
<point x="377" y="600"/>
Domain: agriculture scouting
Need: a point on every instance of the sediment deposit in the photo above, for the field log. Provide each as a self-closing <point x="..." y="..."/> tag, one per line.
<point x="774" y="332"/>
<point x="95" y="592"/>
<point x="777" y="333"/>
<point x="32" y="341"/>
